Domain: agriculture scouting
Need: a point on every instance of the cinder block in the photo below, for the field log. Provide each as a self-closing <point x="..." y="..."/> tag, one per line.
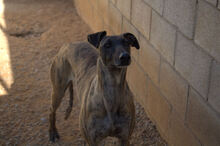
<point x="115" y="19"/>
<point x="88" y="13"/>
<point x="193" y="64"/>
<point x="141" y="17"/>
<point x="77" y="5"/>
<point x="181" y="13"/>
<point x="207" y="33"/>
<point x="213" y="2"/>
<point x="149" y="59"/>
<point x="97" y="25"/>
<point x="158" y="106"/>
<point x="103" y="7"/>
<point x="84" y="10"/>
<point x="156" y="5"/>
<point x="179" y="134"/>
<point x="174" y="88"/>
<point x="125" y="8"/>
<point x="204" y="122"/>
<point x="94" y="4"/>
<point x="214" y="91"/>
<point x="163" y="37"/>
<point x="128" y="27"/>
<point x="137" y="82"/>
<point x="108" y="29"/>
<point x="114" y="1"/>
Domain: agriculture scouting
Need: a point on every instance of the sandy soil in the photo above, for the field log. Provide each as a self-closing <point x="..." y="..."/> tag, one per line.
<point x="35" y="30"/>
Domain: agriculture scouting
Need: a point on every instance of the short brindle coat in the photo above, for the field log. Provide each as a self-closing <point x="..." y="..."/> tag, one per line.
<point x="98" y="70"/>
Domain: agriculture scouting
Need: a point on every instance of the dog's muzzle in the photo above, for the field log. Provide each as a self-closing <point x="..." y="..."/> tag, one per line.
<point x="125" y="59"/>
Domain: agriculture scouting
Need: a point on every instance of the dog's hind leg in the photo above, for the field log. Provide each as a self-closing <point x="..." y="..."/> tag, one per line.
<point x="69" y="109"/>
<point x="56" y="100"/>
<point x="60" y="75"/>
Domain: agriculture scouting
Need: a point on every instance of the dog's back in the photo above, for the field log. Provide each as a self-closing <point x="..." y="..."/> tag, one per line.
<point x="79" y="61"/>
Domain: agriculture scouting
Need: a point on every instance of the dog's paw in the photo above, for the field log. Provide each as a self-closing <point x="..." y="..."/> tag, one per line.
<point x="54" y="135"/>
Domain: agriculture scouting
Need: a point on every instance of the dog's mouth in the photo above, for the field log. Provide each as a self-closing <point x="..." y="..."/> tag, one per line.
<point x="123" y="64"/>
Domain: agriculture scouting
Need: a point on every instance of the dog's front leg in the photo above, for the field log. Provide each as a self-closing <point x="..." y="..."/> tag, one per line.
<point x="123" y="142"/>
<point x="97" y="128"/>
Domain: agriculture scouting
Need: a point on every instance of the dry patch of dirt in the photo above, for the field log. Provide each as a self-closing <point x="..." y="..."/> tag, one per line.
<point x="35" y="30"/>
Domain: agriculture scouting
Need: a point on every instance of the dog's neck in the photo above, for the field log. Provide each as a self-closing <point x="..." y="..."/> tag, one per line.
<point x="112" y="83"/>
<point x="111" y="76"/>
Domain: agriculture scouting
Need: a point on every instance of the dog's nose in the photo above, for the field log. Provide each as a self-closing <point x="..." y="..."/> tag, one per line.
<point x="124" y="57"/>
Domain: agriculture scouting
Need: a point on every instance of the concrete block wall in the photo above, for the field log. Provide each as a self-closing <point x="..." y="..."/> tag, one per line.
<point x="176" y="73"/>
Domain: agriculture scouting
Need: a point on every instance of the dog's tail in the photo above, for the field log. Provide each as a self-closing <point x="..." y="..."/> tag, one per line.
<point x="69" y="108"/>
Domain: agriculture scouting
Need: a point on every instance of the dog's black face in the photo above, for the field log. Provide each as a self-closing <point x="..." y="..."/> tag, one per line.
<point x="114" y="50"/>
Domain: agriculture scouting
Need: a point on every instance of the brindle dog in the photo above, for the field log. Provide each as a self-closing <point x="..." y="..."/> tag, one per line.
<point x="98" y="69"/>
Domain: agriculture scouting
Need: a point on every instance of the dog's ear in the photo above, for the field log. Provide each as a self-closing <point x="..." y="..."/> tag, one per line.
<point x="96" y="38"/>
<point x="132" y="40"/>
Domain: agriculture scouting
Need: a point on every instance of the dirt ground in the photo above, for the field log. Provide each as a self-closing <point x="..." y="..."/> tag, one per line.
<point x="35" y="30"/>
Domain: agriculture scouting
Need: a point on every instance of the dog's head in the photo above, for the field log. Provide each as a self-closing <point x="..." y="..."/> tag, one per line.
<point x="114" y="50"/>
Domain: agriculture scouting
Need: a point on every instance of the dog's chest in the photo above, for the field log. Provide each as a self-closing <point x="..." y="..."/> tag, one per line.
<point x="108" y="120"/>
<point x="117" y="125"/>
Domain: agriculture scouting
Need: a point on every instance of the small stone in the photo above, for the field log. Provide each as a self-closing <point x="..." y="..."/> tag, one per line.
<point x="35" y="70"/>
<point x="43" y="120"/>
